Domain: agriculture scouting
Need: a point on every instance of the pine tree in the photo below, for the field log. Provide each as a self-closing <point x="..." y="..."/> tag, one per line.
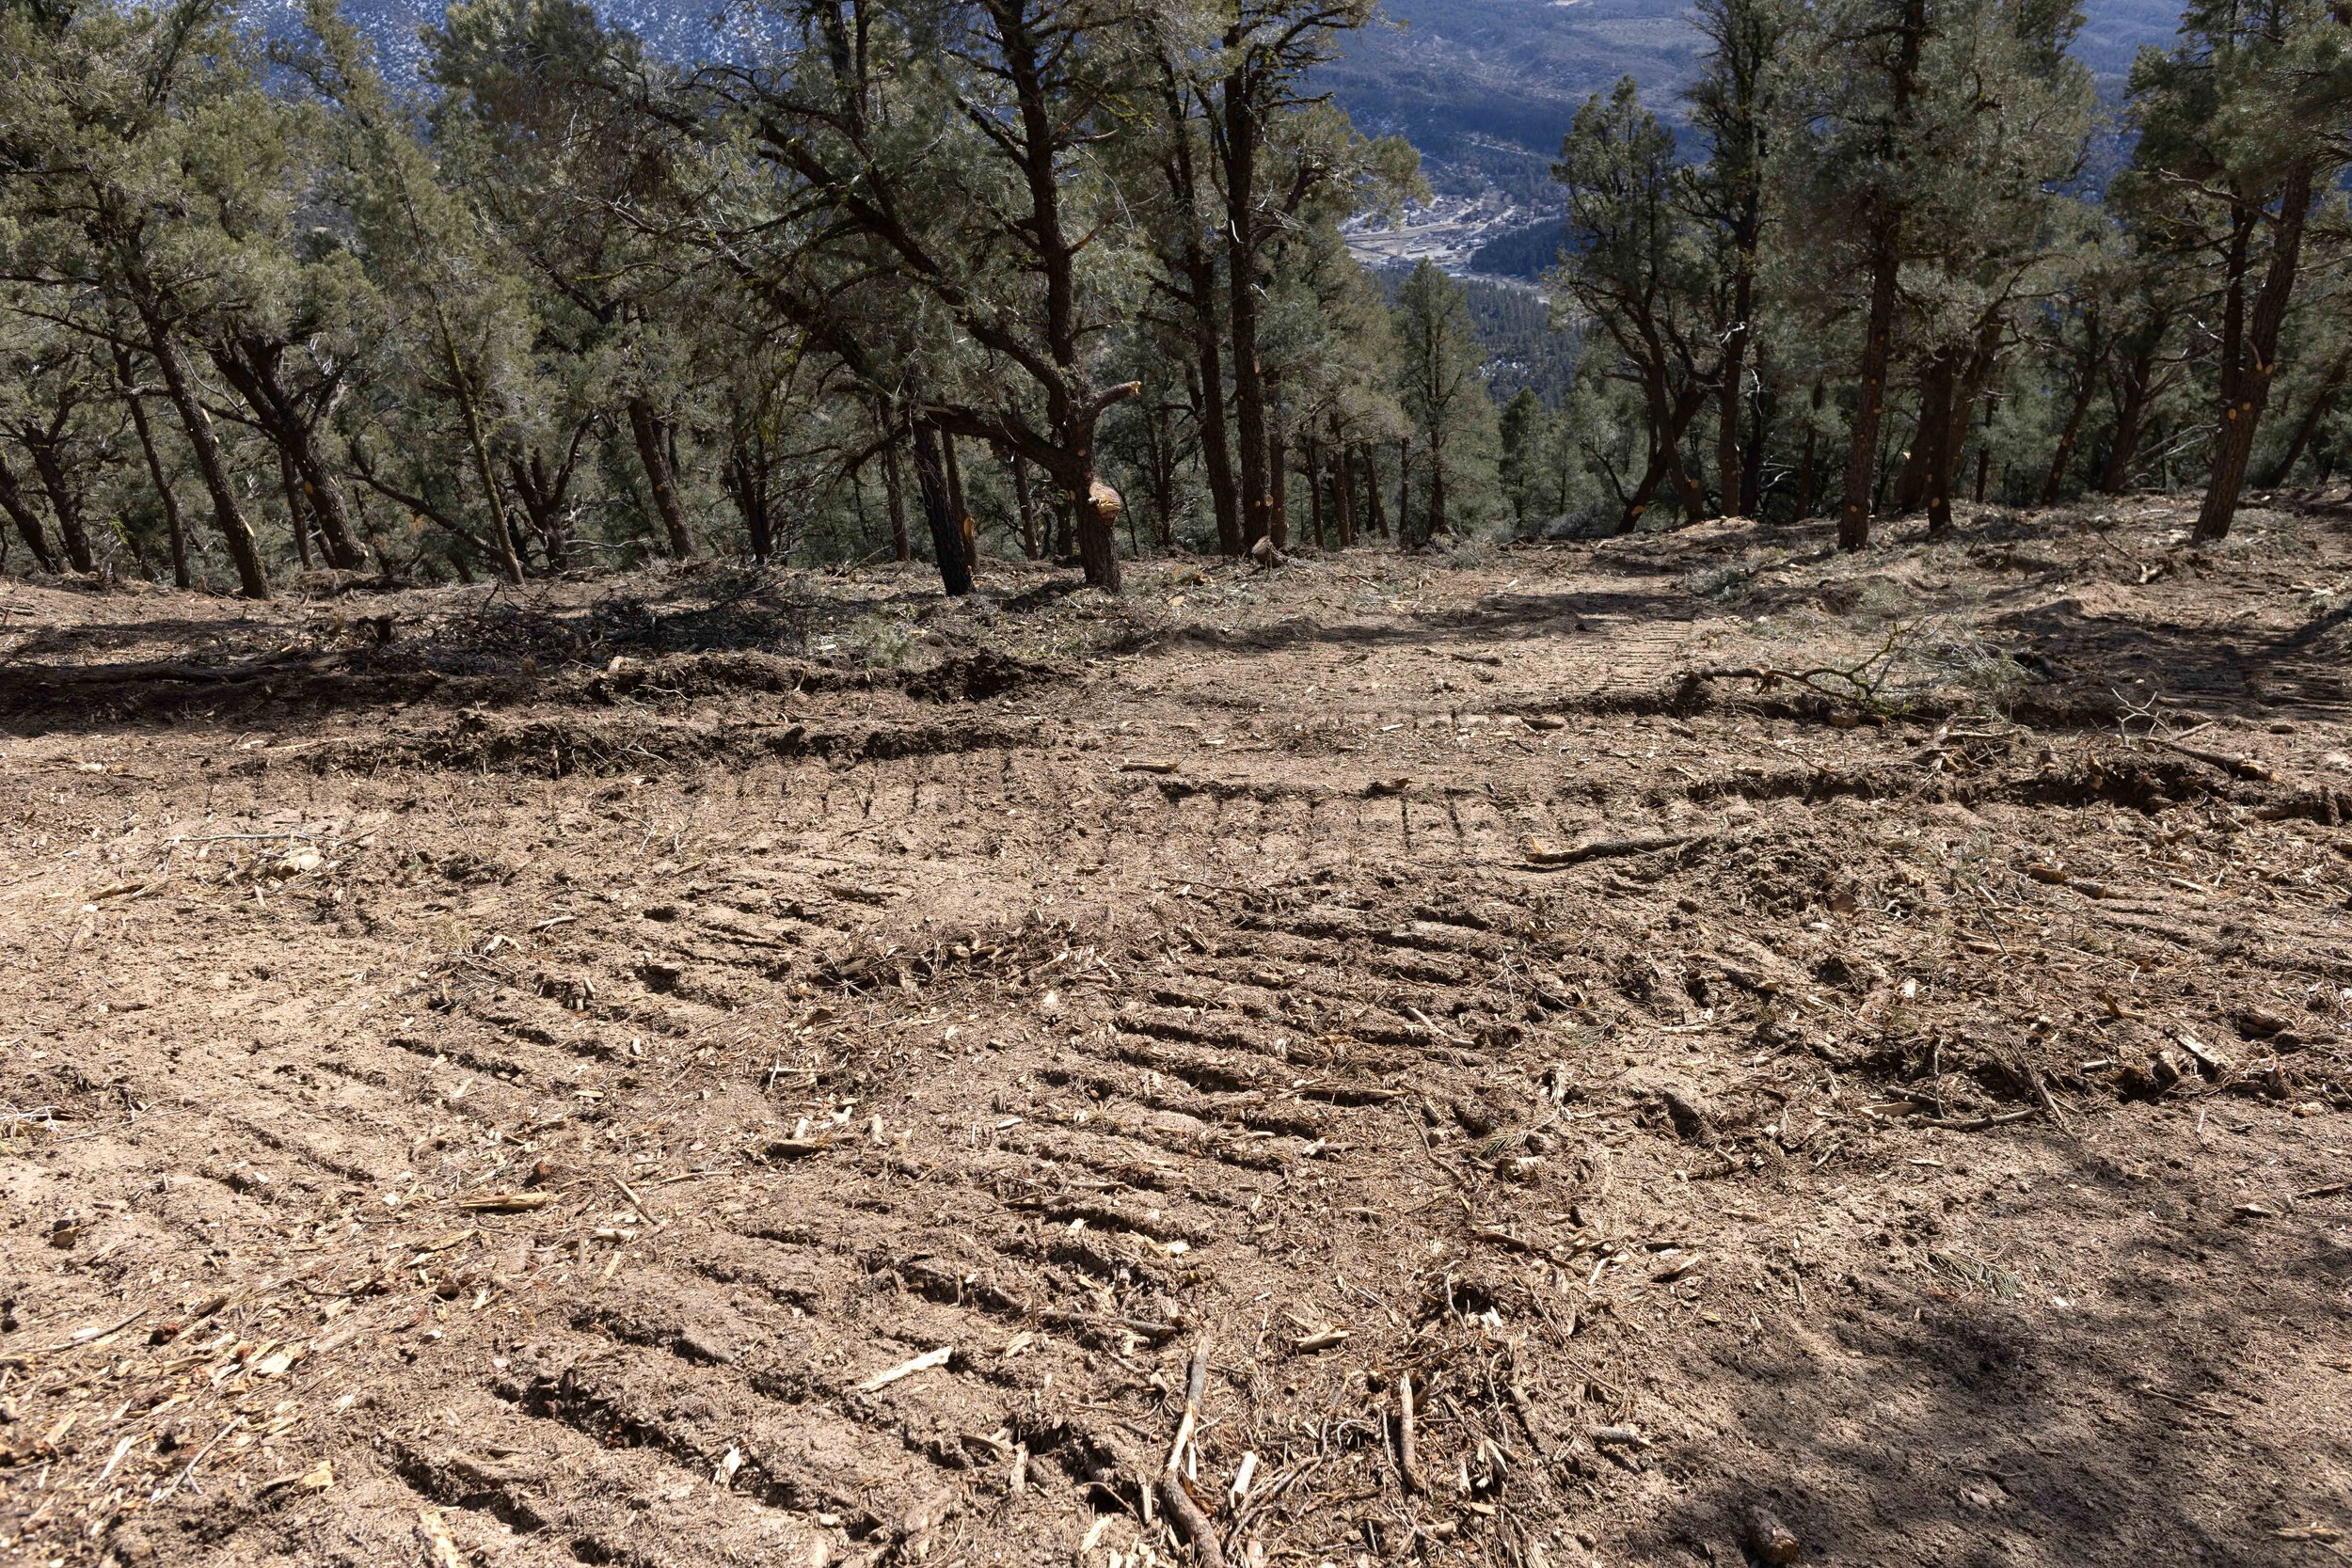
<point x="2240" y="134"/>
<point x="1453" y="418"/>
<point x="1731" y="106"/>
<point x="1633" y="265"/>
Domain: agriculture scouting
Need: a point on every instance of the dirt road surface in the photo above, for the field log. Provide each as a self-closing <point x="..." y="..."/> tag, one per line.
<point x="1687" y="1050"/>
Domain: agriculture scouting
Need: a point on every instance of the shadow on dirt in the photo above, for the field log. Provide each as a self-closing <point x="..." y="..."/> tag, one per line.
<point x="729" y="631"/>
<point x="1991" y="1424"/>
<point x="2280" y="675"/>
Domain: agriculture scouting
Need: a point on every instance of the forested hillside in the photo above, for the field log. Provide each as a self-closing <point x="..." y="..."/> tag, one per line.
<point x="1066" y="277"/>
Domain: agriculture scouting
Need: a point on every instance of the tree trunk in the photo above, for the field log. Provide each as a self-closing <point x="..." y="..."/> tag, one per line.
<point x="1436" y="515"/>
<point x="2063" y="458"/>
<point x="1098" y="507"/>
<point x="1313" y="456"/>
<point x="1762" y="413"/>
<point x="1653" y="474"/>
<point x="163" y="492"/>
<point x="1343" y="488"/>
<point x="1936" y="429"/>
<point x="1688" y="494"/>
<point x="2323" y="401"/>
<point x="251" y="369"/>
<point x="27" y="521"/>
<point x="930" y="476"/>
<point x="487" y="475"/>
<point x="1910" y="484"/>
<point x="228" y="516"/>
<point x="957" y="499"/>
<point x="329" y="505"/>
<point x="1375" y="514"/>
<point x="1278" y="492"/>
<point x="1025" y="504"/>
<point x="1159" y="430"/>
<point x="1854" y="512"/>
<point x="645" y="428"/>
<point x="2250" y="377"/>
<point x="1728" y="467"/>
<point x="1241" y="240"/>
<point x="895" y="482"/>
<point x="747" y="483"/>
<point x="295" y="511"/>
<point x="1404" y="493"/>
<point x="2244" y="221"/>
<point x="1217" y="451"/>
<point x="65" y="503"/>
<point x="2138" y="379"/>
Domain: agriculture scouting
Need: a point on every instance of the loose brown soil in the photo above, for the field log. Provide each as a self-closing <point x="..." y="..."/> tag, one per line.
<point x="502" y="1085"/>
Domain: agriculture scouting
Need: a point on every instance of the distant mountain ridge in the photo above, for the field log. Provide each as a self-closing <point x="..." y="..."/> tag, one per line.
<point x="1486" y="89"/>
<point x="685" y="32"/>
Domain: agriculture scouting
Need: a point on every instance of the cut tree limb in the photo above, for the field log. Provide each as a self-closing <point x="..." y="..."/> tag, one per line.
<point x="1540" y="853"/>
<point x="922" y="1363"/>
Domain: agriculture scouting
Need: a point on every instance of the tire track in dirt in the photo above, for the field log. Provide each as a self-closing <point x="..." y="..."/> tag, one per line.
<point x="777" y="1067"/>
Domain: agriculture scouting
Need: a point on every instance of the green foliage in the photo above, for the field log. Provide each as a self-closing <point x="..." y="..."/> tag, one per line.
<point x="1454" y="435"/>
<point x="1069" y="274"/>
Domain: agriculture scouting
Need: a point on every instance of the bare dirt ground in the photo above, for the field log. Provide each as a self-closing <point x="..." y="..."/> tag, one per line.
<point x="711" y="1068"/>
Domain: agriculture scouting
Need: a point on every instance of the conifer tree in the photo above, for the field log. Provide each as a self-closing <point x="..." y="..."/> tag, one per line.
<point x="2241" y="132"/>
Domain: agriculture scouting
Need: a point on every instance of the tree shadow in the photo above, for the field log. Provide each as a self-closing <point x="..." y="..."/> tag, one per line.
<point x="747" y="628"/>
<point x="2271" y="674"/>
<point x="2154" y="1413"/>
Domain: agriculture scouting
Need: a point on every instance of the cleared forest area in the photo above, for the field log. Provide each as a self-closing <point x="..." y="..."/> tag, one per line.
<point x="1693" y="1048"/>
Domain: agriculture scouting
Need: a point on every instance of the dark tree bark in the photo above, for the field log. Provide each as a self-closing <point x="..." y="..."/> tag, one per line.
<point x="296" y="514"/>
<point x="931" y="475"/>
<point x="1196" y="266"/>
<point x="1343" y="488"/>
<point x="545" y="498"/>
<point x="1027" y="504"/>
<point x="1242" y="241"/>
<point x="1762" y="414"/>
<point x="2323" y="403"/>
<point x="1885" y="262"/>
<point x="895" y="492"/>
<point x="1313" y="456"/>
<point x="174" y="525"/>
<point x="1404" y="493"/>
<point x="27" y="521"/>
<point x="227" y="515"/>
<point x="1668" y="426"/>
<point x="2250" y="358"/>
<point x="962" y="503"/>
<point x="65" y="501"/>
<point x="1728" y="466"/>
<point x="252" y="369"/>
<point x="2077" y="407"/>
<point x="1279" y="490"/>
<point x="2135" y="382"/>
<point x="645" y="428"/>
<point x="1853" y="510"/>
<point x="746" y="483"/>
<point x="1936" y="429"/>
<point x="1375" y="514"/>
